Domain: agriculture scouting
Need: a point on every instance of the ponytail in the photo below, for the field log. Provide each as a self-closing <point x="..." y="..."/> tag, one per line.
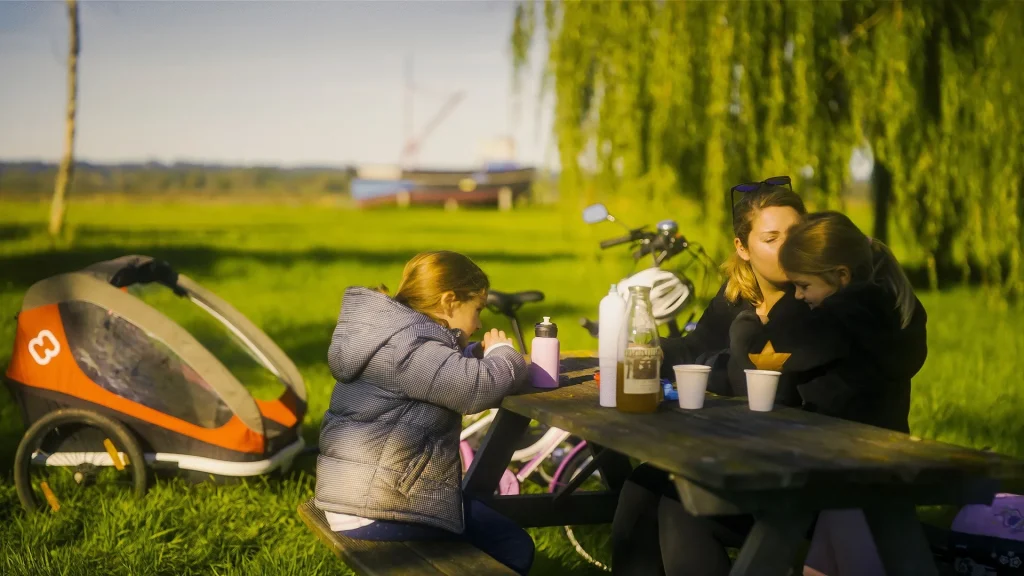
<point x="741" y="283"/>
<point x="429" y="275"/>
<point x="886" y="270"/>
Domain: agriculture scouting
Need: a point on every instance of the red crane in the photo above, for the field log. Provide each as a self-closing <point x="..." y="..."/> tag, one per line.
<point x="412" y="147"/>
<point x="413" y="144"/>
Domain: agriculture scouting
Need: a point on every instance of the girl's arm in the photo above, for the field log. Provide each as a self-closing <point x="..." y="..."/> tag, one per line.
<point x="818" y="345"/>
<point x="746" y="334"/>
<point x="814" y="339"/>
<point x="433" y="372"/>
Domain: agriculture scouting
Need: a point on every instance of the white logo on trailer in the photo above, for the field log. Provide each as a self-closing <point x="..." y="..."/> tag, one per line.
<point x="50" y="351"/>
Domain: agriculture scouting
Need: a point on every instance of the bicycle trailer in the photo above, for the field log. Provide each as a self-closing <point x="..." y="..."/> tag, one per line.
<point x="88" y="340"/>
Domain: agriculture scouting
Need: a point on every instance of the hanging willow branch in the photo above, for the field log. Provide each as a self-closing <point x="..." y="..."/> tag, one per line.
<point x="658" y="99"/>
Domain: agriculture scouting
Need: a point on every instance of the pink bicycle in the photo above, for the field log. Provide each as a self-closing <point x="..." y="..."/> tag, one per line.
<point x="549" y="456"/>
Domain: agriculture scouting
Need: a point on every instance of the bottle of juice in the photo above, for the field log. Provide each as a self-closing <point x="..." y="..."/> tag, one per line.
<point x="638" y="381"/>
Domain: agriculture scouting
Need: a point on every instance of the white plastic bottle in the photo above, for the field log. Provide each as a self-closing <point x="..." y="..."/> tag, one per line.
<point x="609" y="320"/>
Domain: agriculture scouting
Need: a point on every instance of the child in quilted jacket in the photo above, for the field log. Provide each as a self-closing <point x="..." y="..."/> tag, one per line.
<point x="389" y="467"/>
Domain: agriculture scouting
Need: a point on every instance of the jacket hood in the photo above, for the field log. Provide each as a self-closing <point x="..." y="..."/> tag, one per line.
<point x="367" y="322"/>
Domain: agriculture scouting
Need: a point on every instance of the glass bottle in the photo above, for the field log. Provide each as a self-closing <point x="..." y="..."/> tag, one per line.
<point x="638" y="386"/>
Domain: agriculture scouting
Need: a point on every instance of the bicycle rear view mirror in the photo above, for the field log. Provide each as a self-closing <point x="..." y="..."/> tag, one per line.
<point x="596" y="213"/>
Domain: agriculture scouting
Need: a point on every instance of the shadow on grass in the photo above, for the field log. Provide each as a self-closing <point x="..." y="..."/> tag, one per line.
<point x="948" y="276"/>
<point x="305" y="344"/>
<point x="11" y="232"/>
<point x="24" y="269"/>
<point x="566" y="316"/>
<point x="11" y="431"/>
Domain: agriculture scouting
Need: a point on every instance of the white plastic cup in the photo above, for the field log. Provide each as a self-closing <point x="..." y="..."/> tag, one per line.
<point x="761" y="388"/>
<point x="691" y="384"/>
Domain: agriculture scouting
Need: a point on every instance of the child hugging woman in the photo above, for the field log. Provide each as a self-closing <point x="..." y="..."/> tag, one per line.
<point x="853" y="357"/>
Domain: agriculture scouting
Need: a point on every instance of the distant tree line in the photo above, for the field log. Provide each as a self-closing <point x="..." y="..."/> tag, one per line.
<point x="35" y="180"/>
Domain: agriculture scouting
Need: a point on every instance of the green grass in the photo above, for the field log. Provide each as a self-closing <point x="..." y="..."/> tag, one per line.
<point x="286" y="267"/>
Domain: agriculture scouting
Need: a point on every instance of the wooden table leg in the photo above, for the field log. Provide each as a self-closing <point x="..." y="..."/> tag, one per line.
<point x="900" y="539"/>
<point x="494" y="455"/>
<point x="615" y="467"/>
<point x="771" y="547"/>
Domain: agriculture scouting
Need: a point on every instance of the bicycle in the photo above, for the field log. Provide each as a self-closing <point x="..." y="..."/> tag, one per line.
<point x="566" y="454"/>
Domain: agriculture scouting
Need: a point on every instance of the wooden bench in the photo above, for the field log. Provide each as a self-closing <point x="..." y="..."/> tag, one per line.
<point x="402" y="558"/>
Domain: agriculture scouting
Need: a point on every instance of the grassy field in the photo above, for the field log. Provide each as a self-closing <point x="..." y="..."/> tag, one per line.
<point x="285" y="267"/>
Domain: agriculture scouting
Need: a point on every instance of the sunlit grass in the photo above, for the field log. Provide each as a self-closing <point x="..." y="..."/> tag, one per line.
<point x="286" y="267"/>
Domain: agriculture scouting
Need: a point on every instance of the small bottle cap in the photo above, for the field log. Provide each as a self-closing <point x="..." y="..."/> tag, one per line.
<point x="546" y="329"/>
<point x="613" y="289"/>
<point x="641" y="291"/>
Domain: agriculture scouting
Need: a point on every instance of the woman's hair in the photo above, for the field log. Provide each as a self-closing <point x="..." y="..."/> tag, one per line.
<point x="825" y="241"/>
<point x="741" y="282"/>
<point x="429" y="275"/>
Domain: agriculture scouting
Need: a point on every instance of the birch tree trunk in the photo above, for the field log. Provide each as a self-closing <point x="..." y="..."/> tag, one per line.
<point x="67" y="161"/>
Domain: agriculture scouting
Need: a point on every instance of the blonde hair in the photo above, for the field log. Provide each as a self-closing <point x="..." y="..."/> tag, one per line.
<point x="741" y="281"/>
<point x="826" y="241"/>
<point x="430" y="275"/>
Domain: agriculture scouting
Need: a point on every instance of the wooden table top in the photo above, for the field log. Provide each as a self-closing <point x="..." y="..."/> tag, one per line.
<point x="726" y="445"/>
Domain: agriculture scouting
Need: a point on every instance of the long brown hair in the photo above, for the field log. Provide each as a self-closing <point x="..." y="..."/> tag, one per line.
<point x="826" y="241"/>
<point x="742" y="283"/>
<point x="429" y="275"/>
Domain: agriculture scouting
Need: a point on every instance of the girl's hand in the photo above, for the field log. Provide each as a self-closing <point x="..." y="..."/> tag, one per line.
<point x="493" y="337"/>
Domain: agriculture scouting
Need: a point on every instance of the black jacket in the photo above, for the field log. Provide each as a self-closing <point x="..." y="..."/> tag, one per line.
<point x="849" y="357"/>
<point x="709" y="343"/>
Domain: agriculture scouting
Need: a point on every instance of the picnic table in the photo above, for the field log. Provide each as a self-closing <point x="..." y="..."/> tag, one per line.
<point x="781" y="466"/>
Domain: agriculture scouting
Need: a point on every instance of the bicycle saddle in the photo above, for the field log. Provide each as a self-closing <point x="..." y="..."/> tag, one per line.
<point x="507" y="303"/>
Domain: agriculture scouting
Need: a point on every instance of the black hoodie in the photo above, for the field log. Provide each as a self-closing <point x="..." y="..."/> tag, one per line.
<point x="849" y="358"/>
<point x="709" y="342"/>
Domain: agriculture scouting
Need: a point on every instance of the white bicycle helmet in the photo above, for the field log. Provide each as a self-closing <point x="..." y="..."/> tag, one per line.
<point x="669" y="294"/>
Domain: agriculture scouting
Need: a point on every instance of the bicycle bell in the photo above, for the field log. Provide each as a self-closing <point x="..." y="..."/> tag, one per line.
<point x="668" y="228"/>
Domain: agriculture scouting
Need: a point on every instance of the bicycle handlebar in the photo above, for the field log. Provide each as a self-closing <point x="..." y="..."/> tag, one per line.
<point x="616" y="241"/>
<point x="662" y="244"/>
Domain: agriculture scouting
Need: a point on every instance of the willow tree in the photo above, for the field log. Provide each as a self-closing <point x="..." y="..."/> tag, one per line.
<point x="660" y="99"/>
<point x="655" y="99"/>
<point x="935" y="99"/>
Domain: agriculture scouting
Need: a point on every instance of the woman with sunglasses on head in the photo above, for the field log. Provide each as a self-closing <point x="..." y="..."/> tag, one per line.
<point x="652" y="533"/>
<point x="762" y="213"/>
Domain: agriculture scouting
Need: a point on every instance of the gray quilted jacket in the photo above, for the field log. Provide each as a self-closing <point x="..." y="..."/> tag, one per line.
<point x="389" y="443"/>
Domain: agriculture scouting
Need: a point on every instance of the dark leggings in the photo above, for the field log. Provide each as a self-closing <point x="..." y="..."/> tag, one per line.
<point x="499" y="537"/>
<point x="653" y="535"/>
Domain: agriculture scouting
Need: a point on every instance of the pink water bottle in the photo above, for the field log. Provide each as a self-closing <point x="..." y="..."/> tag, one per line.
<point x="544" y="351"/>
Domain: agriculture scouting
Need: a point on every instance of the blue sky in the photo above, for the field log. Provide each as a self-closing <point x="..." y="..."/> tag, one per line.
<point x="281" y="82"/>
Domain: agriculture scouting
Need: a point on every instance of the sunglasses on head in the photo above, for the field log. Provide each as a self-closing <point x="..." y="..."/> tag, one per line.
<point x="748" y="187"/>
